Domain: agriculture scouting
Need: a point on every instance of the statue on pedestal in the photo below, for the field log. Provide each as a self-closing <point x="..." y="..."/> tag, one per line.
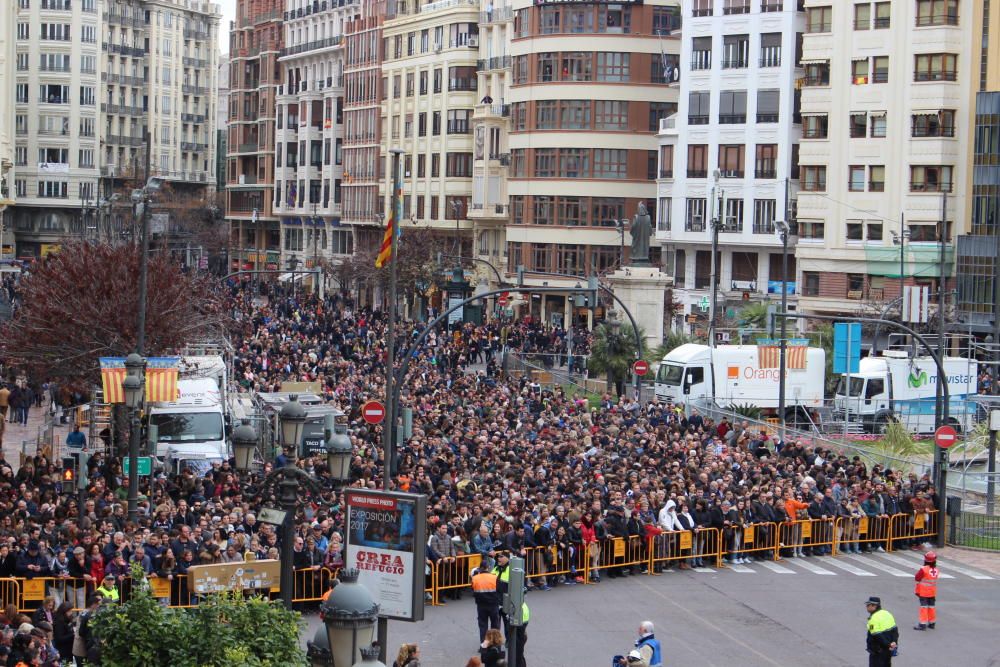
<point x="641" y="231"/>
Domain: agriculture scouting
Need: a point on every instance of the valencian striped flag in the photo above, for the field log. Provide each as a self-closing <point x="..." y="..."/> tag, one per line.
<point x="161" y="379"/>
<point x="385" y="252"/>
<point x="769" y="353"/>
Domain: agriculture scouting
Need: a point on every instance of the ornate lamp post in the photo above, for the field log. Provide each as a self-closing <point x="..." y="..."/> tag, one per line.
<point x="132" y="387"/>
<point x="244" y="440"/>
<point x="350" y="613"/>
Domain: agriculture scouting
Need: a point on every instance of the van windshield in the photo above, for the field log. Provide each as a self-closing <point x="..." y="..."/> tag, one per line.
<point x="670" y="374"/>
<point x="856" y="384"/>
<point x="187" y="427"/>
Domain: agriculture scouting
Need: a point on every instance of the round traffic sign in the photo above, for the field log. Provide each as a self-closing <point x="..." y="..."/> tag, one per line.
<point x="504" y="298"/>
<point x="641" y="367"/>
<point x="373" y="412"/>
<point x="945" y="436"/>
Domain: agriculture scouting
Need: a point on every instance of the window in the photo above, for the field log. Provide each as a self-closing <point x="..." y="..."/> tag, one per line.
<point x="815" y="127"/>
<point x="614" y="19"/>
<point x="574" y="114"/>
<point x="610" y="115"/>
<point x="543" y="210"/>
<point x="612" y="66"/>
<point x="935" y="67"/>
<point x="88" y="34"/>
<point x="735" y="51"/>
<point x="548" y="19"/>
<point x="520" y="70"/>
<point x="53" y="189"/>
<point x="666" y="161"/>
<point x="767" y="161"/>
<point x="546" y="66"/>
<point x="940" y="124"/>
<point x="701" y="7"/>
<point x="876" y="125"/>
<point x="458" y="121"/>
<point x="855" y="230"/>
<point x="873" y="231"/>
<point x="22" y="62"/>
<point x="819" y="19"/>
<point x="858" y="125"/>
<point x="882" y="15"/>
<point x="662" y="68"/>
<point x="880" y="69"/>
<point x="21" y="156"/>
<point x="435" y="173"/>
<point x="606" y="210"/>
<point x="23" y="31"/>
<point x="930" y="179"/>
<point x="813" y="178"/>
<point x="437" y="80"/>
<point x="87" y="95"/>
<point x="576" y="66"/>
<point x="658" y="111"/>
<point x="817" y="74"/>
<point x="574" y="163"/>
<point x="572" y="212"/>
<point x="697" y="162"/>
<point x="517" y="163"/>
<point x="733" y="219"/>
<point x="859" y="72"/>
<point x="763" y="216"/>
<point x="876" y="178"/>
<point x="545" y="162"/>
<point x="458" y="165"/>
<point x="580" y="19"/>
<point x="610" y="163"/>
<point x="409" y="84"/>
<point x="435" y="123"/>
<point x="770" y="49"/>
<point x="694" y="215"/>
<point x="733" y="107"/>
<point x="937" y="12"/>
<point x="666" y="20"/>
<point x="698" y="104"/>
<point x="59" y="32"/>
<point x="863" y="16"/>
<point x="731" y="160"/>
<point x="701" y="53"/>
<point x="923" y="233"/>
<point x="767" y="106"/>
<point x="462" y="78"/>
<point x="663" y="214"/>
<point x="21" y="93"/>
<point x="856" y="178"/>
<point x="811" y="229"/>
<point x="810" y="282"/>
<point x="545" y="115"/>
<point x="736" y="7"/>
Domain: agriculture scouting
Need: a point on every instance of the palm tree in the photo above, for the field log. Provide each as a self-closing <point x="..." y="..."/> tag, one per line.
<point x="754" y="315"/>
<point x="613" y="353"/>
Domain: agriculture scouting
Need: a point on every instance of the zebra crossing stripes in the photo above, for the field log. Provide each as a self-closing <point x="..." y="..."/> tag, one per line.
<point x="814" y="568"/>
<point x="918" y="558"/>
<point x="841" y="564"/>
<point x="909" y="563"/>
<point x="878" y="565"/>
<point x="868" y="565"/>
<point x="775" y="567"/>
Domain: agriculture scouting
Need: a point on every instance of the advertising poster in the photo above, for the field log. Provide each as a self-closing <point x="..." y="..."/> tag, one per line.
<point x="386" y="540"/>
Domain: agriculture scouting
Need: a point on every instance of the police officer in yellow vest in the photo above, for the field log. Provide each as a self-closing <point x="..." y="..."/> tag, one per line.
<point x="484" y="590"/>
<point x="502" y="570"/>
<point x="883" y="634"/>
<point x="522" y="637"/>
<point x="107" y="588"/>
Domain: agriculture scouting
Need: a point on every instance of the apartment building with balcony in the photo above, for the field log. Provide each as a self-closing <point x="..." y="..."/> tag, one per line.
<point x="362" y="176"/>
<point x="430" y="84"/>
<point x="886" y="92"/>
<point x="490" y="129"/>
<point x="728" y="157"/>
<point x="590" y="84"/>
<point x="310" y="118"/>
<point x="8" y="57"/>
<point x="977" y="269"/>
<point x="55" y="94"/>
<point x="256" y="38"/>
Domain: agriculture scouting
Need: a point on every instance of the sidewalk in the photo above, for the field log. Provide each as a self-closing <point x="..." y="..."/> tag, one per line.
<point x="987" y="561"/>
<point x="18" y="438"/>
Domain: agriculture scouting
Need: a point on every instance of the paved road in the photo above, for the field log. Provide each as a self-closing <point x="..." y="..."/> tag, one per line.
<point x="805" y="611"/>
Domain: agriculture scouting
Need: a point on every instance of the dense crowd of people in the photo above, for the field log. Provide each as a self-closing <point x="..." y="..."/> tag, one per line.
<point x="506" y="465"/>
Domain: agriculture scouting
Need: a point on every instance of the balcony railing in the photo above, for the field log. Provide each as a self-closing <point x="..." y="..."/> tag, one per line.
<point x="127" y="21"/>
<point x="735" y="63"/>
<point x="821" y="80"/>
<point x="732" y="118"/>
<point x="249" y="147"/>
<point x="122" y="79"/>
<point x="194" y="62"/>
<point x="935" y="76"/>
<point x="767" y="118"/>
<point x="125" y="140"/>
<point x="193" y="146"/>
<point x="122" y="110"/>
<point x="272" y="15"/>
<point x="698" y="120"/>
<point x="937" y="131"/>
<point x="310" y="46"/>
<point x="666" y="173"/>
<point x="195" y="33"/>
<point x="937" y="18"/>
<point x="498" y="15"/>
<point x="170" y="174"/>
<point x="188" y="89"/>
<point x="731" y="173"/>
<point x="192" y="118"/>
<point x="123" y="50"/>
<point x="441" y="4"/>
<point x="697" y="173"/>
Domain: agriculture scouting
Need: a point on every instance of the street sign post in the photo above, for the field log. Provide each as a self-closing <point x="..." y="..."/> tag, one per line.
<point x="641" y="367"/>
<point x="145" y="466"/>
<point x="373" y="412"/>
<point x="945" y="436"/>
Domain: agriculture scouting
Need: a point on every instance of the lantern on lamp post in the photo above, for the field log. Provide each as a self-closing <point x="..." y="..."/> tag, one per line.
<point x="244" y="441"/>
<point x="350" y="613"/>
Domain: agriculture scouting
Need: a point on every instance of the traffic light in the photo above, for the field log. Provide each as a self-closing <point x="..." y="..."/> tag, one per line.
<point x="69" y="473"/>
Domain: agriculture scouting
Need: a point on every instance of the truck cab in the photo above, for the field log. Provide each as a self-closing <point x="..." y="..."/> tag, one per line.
<point x="684" y="374"/>
<point x="192" y="427"/>
<point x="869" y="398"/>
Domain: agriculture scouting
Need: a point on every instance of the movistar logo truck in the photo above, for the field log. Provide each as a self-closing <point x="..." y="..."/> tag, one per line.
<point x="917" y="379"/>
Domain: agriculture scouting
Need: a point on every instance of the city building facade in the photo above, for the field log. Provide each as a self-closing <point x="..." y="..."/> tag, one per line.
<point x="886" y="93"/>
<point x="726" y="166"/>
<point x="977" y="269"/>
<point x="255" y="41"/>
<point x="56" y="123"/>
<point x="309" y="152"/>
<point x="590" y="83"/>
<point x="8" y="59"/>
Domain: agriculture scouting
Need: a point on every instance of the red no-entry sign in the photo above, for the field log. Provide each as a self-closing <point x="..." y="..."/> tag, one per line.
<point x="373" y="412"/>
<point x="945" y="437"/>
<point x="641" y="367"/>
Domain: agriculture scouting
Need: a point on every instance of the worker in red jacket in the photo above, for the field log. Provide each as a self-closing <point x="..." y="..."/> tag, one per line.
<point x="926" y="591"/>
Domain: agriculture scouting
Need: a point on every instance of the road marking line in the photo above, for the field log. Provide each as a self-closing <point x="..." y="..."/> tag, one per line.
<point x="736" y="567"/>
<point x="948" y="565"/>
<point x="812" y="567"/>
<point x="774" y="567"/>
<point x="905" y="563"/>
<point x="704" y="569"/>
<point x="847" y="567"/>
<point x="878" y="566"/>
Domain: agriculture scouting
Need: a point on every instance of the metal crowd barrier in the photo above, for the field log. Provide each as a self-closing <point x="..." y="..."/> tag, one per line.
<point x="684" y="545"/>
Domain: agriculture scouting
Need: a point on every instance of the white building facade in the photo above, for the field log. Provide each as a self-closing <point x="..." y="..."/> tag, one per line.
<point x="728" y="157"/>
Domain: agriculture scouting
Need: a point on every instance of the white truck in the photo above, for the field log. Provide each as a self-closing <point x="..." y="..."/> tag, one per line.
<point x="743" y="375"/>
<point x="897" y="387"/>
<point x="191" y="431"/>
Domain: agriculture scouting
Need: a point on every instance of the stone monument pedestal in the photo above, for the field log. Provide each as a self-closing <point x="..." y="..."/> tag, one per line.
<point x="641" y="288"/>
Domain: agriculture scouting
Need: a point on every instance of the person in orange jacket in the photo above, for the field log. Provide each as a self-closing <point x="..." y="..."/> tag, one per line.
<point x="792" y="506"/>
<point x="926" y="591"/>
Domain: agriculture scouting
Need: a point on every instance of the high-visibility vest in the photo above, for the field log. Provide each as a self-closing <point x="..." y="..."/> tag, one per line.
<point x="927" y="587"/>
<point x="484" y="582"/>
<point x="880" y="621"/>
<point x="110" y="594"/>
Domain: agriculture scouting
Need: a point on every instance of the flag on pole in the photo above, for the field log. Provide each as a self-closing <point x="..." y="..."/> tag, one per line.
<point x="385" y="252"/>
<point x="161" y="379"/>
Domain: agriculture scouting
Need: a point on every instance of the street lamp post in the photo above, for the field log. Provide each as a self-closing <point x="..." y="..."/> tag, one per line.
<point x="783" y="231"/>
<point x="132" y="386"/>
<point x="350" y="614"/>
<point x="292" y="419"/>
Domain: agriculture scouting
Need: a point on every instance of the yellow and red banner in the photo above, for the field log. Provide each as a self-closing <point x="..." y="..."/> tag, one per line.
<point x="161" y="379"/>
<point x="387" y="249"/>
<point x="769" y="354"/>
